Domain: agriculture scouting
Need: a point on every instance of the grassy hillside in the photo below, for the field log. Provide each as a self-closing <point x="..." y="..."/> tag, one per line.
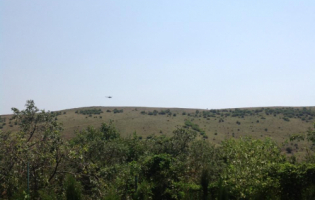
<point x="215" y="125"/>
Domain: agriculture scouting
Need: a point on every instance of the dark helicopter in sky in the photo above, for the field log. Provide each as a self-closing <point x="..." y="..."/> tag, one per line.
<point x="109" y="97"/>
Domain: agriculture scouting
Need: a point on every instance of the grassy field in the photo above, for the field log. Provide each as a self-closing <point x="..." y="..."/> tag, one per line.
<point x="214" y="125"/>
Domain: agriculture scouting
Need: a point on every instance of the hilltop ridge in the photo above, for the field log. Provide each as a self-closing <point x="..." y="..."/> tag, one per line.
<point x="215" y="124"/>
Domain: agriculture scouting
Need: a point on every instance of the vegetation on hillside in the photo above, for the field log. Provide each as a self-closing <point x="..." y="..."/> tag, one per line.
<point x="287" y="113"/>
<point x="100" y="164"/>
<point x="89" y="112"/>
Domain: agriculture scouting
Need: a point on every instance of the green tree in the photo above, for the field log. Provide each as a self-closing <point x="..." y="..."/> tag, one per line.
<point x="38" y="142"/>
<point x="248" y="164"/>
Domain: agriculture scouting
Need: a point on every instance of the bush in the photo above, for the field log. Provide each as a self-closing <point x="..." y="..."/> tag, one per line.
<point x="73" y="189"/>
<point x="257" y="157"/>
<point x="288" y="149"/>
<point x="118" y="111"/>
<point x="91" y="112"/>
<point x="286" y="119"/>
<point x="193" y="126"/>
<point x="296" y="181"/>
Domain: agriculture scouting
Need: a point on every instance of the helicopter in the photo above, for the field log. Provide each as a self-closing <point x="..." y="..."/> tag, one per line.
<point x="109" y="97"/>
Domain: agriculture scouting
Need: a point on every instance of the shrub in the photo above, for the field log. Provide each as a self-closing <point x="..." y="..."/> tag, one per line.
<point x="91" y="111"/>
<point x="204" y="182"/>
<point x="73" y="189"/>
<point x="118" y="111"/>
<point x="257" y="157"/>
<point x="286" y="119"/>
<point x="288" y="149"/>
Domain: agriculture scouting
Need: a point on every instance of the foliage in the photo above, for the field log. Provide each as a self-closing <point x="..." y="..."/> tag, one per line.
<point x="100" y="164"/>
<point x="90" y="112"/>
<point x="248" y="161"/>
<point x="38" y="143"/>
<point x="73" y="189"/>
<point x="118" y="111"/>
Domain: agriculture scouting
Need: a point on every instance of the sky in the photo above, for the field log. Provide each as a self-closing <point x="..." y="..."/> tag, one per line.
<point x="159" y="53"/>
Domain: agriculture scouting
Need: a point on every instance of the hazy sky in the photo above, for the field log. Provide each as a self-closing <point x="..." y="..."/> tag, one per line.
<point x="157" y="53"/>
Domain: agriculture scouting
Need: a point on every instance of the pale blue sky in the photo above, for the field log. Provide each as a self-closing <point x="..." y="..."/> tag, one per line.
<point x="157" y="53"/>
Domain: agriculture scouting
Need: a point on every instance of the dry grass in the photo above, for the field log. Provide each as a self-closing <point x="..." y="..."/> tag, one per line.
<point x="131" y="120"/>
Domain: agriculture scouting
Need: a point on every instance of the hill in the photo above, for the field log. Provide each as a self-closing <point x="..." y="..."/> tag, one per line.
<point x="215" y="125"/>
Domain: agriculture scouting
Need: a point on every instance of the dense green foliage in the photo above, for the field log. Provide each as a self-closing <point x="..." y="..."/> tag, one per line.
<point x="305" y="114"/>
<point x="89" y="112"/>
<point x="100" y="164"/>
